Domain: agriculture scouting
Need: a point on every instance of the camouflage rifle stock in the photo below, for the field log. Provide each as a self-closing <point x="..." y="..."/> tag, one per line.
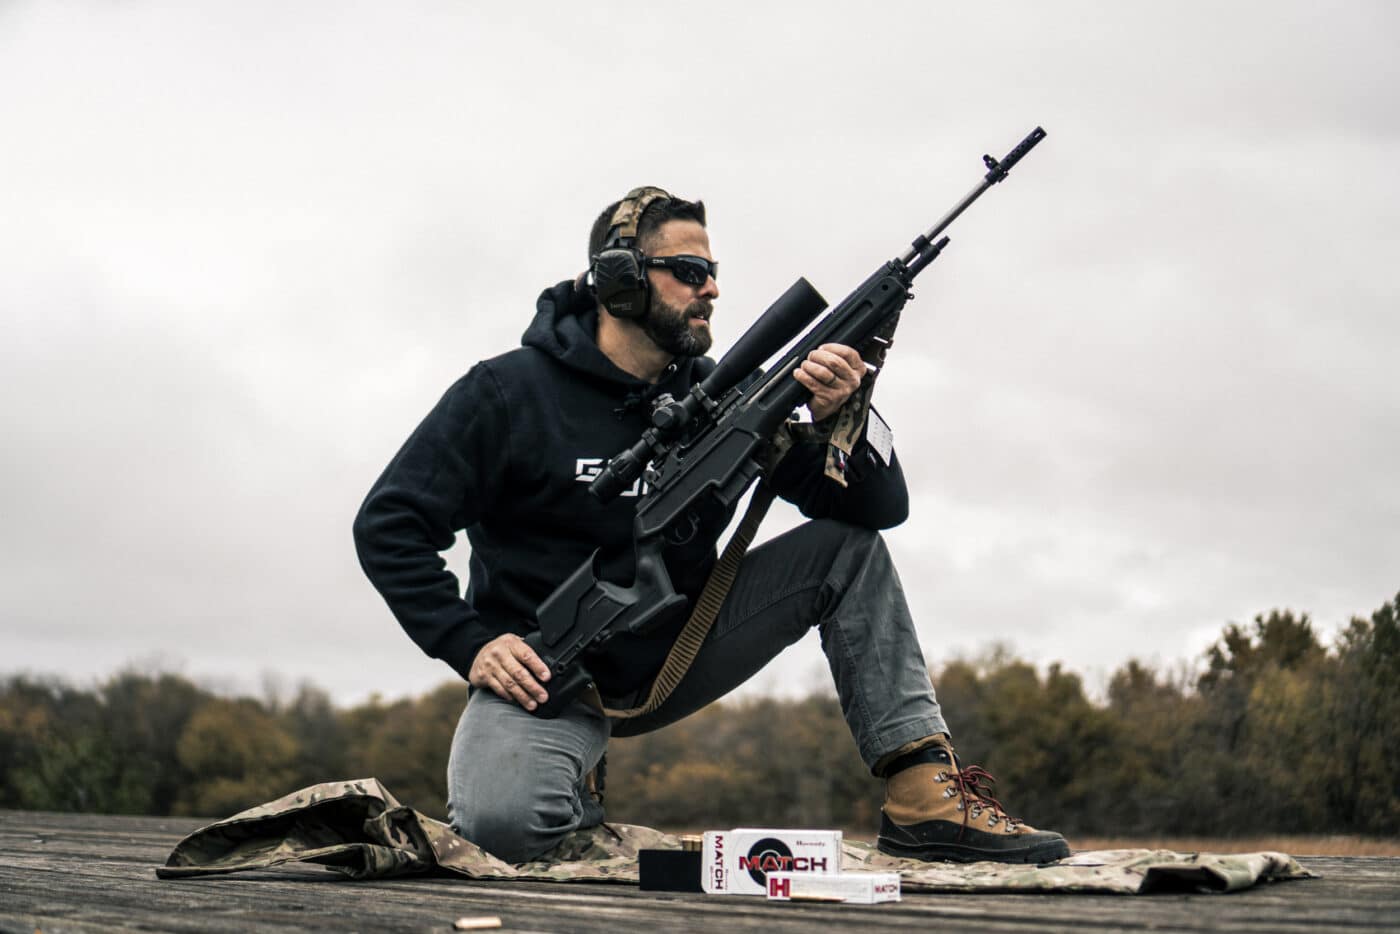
<point x="709" y="445"/>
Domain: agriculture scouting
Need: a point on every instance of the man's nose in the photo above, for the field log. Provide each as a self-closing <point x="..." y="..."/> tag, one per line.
<point x="710" y="289"/>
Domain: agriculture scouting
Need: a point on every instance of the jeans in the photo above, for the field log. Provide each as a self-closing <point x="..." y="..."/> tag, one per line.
<point x="515" y="782"/>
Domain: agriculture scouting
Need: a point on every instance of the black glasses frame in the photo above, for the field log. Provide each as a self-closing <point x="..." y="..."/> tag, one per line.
<point x="692" y="270"/>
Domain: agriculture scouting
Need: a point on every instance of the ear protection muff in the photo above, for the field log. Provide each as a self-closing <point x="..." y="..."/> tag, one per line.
<point x="618" y="275"/>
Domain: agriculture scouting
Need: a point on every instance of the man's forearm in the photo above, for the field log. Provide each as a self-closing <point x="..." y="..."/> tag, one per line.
<point x="412" y="577"/>
<point x="875" y="496"/>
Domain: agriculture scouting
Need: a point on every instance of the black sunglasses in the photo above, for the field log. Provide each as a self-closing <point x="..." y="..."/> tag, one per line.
<point x="692" y="270"/>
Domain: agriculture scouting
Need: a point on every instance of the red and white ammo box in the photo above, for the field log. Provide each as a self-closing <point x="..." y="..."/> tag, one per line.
<point x="737" y="862"/>
<point x="860" y="888"/>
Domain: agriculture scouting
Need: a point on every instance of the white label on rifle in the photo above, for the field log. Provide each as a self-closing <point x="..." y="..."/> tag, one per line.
<point x="879" y="436"/>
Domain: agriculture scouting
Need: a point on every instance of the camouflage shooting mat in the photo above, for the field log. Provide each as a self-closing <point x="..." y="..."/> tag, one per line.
<point x="359" y="829"/>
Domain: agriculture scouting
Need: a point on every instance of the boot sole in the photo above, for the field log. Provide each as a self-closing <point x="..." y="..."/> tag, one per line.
<point x="1044" y="852"/>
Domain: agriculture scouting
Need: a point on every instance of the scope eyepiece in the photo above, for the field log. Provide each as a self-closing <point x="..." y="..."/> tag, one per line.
<point x="617" y="475"/>
<point x="606" y="486"/>
<point x="621" y="471"/>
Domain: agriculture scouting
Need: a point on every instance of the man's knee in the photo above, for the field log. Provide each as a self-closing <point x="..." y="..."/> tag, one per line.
<point x="512" y="816"/>
<point x="853" y="546"/>
<point x="516" y="835"/>
<point x="847" y="533"/>
<point x="513" y="782"/>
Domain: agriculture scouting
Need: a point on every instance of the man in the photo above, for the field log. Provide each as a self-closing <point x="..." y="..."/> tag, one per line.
<point x="506" y="455"/>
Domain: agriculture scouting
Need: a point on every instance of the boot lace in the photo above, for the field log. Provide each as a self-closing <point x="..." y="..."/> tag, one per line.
<point x="974" y="784"/>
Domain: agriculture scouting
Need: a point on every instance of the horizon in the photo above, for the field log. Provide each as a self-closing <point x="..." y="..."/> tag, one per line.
<point x="276" y="689"/>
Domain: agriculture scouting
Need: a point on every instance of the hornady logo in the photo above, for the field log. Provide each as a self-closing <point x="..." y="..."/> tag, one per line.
<point x="772" y="855"/>
<point x="586" y="470"/>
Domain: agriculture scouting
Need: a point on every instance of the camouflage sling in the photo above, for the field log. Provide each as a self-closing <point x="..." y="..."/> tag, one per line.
<point x="842" y="430"/>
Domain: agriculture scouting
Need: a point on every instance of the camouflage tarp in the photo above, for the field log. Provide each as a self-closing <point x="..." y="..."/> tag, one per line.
<point x="1124" y="872"/>
<point x="360" y="829"/>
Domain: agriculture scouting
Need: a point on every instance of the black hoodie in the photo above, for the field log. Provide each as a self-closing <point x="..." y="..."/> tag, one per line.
<point x="506" y="455"/>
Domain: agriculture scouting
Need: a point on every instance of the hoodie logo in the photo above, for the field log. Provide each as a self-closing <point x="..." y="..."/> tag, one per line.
<point x="587" y="469"/>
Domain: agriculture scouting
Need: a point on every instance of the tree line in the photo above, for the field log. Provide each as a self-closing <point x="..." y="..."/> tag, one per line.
<point x="1274" y="732"/>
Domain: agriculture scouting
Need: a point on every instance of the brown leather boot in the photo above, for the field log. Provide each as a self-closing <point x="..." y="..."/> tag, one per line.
<point x="937" y="810"/>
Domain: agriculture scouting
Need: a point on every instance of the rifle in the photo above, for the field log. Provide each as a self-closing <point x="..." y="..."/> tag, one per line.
<point x="709" y="445"/>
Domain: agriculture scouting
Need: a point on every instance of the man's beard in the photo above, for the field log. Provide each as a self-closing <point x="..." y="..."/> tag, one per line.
<point x="670" y="328"/>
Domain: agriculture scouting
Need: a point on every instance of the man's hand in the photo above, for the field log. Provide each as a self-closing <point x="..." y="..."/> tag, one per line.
<point x="831" y="372"/>
<point x="510" y="668"/>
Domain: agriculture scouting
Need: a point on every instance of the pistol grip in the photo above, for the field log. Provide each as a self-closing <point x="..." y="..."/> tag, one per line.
<point x="562" y="688"/>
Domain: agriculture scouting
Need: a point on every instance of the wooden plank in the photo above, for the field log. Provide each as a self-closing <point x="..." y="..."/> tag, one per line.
<point x="82" y="873"/>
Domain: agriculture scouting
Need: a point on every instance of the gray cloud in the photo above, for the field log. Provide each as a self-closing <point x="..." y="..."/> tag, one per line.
<point x="1149" y="388"/>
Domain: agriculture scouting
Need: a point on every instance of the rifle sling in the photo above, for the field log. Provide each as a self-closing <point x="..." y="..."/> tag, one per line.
<point x="707" y="607"/>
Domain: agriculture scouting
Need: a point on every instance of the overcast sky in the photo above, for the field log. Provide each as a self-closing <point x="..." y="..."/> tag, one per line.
<point x="1149" y="389"/>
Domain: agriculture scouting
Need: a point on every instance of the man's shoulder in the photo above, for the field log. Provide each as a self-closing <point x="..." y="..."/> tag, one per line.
<point x="515" y="376"/>
<point x="527" y="364"/>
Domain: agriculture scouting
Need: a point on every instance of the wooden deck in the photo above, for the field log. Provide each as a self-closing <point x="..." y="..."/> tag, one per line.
<point x="87" y="873"/>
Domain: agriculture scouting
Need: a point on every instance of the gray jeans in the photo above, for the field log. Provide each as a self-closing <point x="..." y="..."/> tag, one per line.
<point x="515" y="782"/>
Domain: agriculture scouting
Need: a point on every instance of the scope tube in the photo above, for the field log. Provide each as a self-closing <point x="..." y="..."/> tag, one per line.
<point x="783" y="320"/>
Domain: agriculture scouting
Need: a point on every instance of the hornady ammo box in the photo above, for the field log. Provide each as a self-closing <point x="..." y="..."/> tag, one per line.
<point x="861" y="888"/>
<point x="737" y="862"/>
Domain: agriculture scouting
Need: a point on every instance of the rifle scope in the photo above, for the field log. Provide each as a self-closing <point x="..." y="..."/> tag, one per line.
<point x="783" y="320"/>
<point x="792" y="312"/>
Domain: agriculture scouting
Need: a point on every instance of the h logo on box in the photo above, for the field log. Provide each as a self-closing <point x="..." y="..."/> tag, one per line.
<point x="779" y="888"/>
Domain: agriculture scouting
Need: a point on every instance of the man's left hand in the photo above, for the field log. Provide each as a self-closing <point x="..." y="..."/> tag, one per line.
<point x="831" y="372"/>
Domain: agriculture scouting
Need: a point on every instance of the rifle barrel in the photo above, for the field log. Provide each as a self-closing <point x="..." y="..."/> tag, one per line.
<point x="996" y="172"/>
